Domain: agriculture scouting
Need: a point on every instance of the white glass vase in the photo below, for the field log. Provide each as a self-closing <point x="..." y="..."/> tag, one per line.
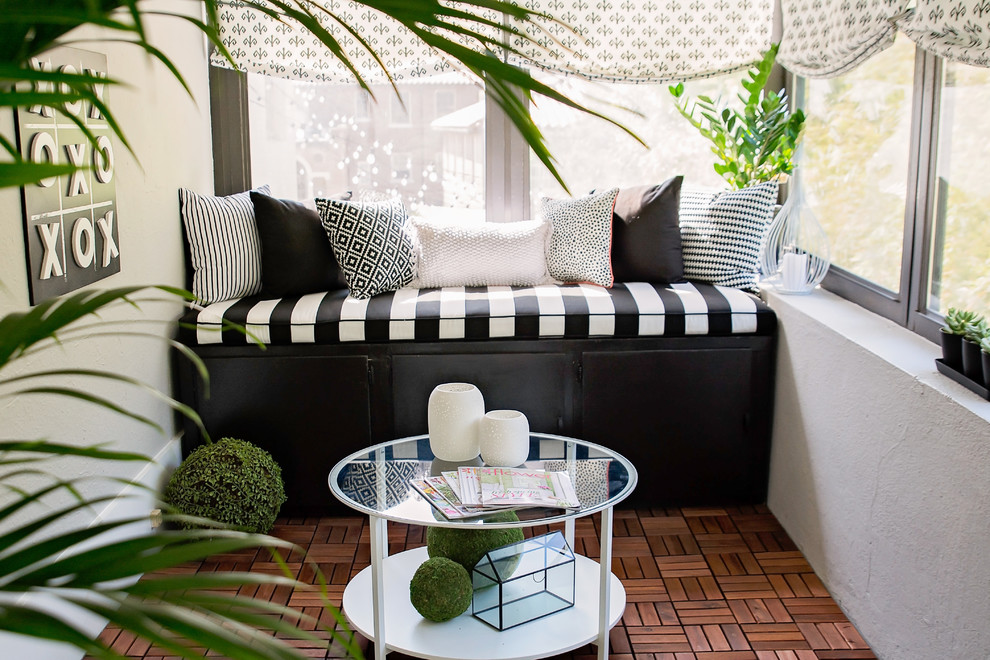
<point x="455" y="409"/>
<point x="796" y="255"/>
<point x="504" y="438"/>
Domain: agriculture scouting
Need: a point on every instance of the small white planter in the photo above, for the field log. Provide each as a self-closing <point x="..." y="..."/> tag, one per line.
<point x="454" y="412"/>
<point x="504" y="438"/>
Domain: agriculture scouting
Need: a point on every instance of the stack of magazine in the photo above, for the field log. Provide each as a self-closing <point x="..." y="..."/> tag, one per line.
<point x="475" y="491"/>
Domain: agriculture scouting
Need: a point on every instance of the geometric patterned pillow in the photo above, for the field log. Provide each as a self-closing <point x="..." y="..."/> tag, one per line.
<point x="371" y="244"/>
<point x="581" y="240"/>
<point x="223" y="243"/>
<point x="723" y="233"/>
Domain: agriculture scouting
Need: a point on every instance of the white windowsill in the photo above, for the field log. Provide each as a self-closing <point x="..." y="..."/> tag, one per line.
<point x="900" y="347"/>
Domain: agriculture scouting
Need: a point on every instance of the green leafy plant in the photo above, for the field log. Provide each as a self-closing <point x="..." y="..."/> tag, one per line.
<point x="230" y="481"/>
<point x="41" y="564"/>
<point x="985" y="344"/>
<point x="956" y="320"/>
<point x="470" y="32"/>
<point x="756" y="143"/>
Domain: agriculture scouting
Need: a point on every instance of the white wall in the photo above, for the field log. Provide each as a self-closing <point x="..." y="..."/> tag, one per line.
<point x="170" y="134"/>
<point x="880" y="473"/>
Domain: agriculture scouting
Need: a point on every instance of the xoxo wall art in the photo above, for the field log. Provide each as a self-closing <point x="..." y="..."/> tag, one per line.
<point x="70" y="222"/>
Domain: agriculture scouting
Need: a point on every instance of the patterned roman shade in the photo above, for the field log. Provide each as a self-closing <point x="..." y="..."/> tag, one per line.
<point x="956" y="30"/>
<point x="826" y="38"/>
<point x="613" y="40"/>
<point x="261" y="44"/>
<point x="648" y="41"/>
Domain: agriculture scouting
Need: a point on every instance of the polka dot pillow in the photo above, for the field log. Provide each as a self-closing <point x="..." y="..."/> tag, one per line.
<point x="581" y="241"/>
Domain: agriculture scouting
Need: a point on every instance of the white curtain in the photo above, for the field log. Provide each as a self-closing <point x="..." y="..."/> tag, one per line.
<point x="826" y="38"/>
<point x="614" y="40"/>
<point x="958" y="30"/>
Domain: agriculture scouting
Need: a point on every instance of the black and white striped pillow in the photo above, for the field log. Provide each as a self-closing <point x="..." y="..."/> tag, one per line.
<point x="723" y="233"/>
<point x="224" y="248"/>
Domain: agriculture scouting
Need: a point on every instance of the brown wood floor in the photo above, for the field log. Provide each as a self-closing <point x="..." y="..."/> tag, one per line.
<point x="701" y="584"/>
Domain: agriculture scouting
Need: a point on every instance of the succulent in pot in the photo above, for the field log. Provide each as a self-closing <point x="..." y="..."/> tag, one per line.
<point x="973" y="335"/>
<point x="951" y="335"/>
<point x="985" y="359"/>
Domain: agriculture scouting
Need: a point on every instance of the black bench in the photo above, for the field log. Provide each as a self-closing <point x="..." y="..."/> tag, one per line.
<point x="678" y="378"/>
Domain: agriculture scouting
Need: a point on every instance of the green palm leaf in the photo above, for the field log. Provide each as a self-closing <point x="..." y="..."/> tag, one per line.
<point x="81" y="567"/>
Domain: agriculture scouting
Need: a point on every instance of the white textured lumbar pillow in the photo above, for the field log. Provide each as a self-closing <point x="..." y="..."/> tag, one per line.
<point x="481" y="253"/>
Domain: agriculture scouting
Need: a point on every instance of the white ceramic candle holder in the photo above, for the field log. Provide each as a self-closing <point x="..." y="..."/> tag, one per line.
<point x="452" y="417"/>
<point x="504" y="438"/>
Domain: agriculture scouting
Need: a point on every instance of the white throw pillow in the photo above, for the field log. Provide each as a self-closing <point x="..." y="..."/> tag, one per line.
<point x="481" y="253"/>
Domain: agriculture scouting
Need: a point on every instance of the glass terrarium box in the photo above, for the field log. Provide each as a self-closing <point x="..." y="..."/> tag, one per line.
<point x="523" y="581"/>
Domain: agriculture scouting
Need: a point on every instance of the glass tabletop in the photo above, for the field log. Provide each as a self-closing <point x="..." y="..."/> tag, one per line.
<point x="376" y="480"/>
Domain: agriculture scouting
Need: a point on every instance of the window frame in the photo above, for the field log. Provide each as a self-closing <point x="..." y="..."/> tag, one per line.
<point x="908" y="306"/>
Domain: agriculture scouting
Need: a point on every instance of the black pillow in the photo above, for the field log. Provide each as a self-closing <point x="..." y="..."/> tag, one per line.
<point x="296" y="257"/>
<point x="646" y="236"/>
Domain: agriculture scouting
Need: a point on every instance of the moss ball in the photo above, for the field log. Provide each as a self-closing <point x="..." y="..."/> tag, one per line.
<point x="468" y="546"/>
<point x="440" y="589"/>
<point x="230" y="481"/>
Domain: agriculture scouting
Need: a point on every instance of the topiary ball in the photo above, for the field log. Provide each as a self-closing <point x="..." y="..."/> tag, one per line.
<point x="468" y="546"/>
<point x="440" y="589"/>
<point x="230" y="481"/>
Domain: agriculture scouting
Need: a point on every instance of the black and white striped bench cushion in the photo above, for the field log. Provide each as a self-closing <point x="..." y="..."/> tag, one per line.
<point x="498" y="312"/>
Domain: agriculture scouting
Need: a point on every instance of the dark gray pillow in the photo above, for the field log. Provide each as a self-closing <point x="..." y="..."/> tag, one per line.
<point x="646" y="236"/>
<point x="296" y="257"/>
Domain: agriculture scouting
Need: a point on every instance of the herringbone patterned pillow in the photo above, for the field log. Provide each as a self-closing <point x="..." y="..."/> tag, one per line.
<point x="723" y="233"/>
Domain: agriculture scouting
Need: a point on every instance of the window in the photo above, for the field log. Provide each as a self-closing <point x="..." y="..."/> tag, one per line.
<point x="605" y="156"/>
<point x="855" y="162"/>
<point x="310" y="140"/>
<point x="959" y="275"/>
<point x="893" y="162"/>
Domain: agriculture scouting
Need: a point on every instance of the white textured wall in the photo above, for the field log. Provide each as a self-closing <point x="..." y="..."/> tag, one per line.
<point x="880" y="473"/>
<point x="170" y="134"/>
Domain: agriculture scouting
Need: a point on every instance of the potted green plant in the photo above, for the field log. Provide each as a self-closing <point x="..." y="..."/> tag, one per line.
<point x="752" y="144"/>
<point x="951" y="335"/>
<point x="973" y="336"/>
<point x="985" y="360"/>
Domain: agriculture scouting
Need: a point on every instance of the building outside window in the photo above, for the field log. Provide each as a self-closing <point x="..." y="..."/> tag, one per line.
<point x="311" y="140"/>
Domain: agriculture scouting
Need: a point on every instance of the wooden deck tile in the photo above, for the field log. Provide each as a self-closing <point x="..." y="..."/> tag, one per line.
<point x="702" y="583"/>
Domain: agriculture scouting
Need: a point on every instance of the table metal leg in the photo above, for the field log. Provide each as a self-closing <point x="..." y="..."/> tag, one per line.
<point x="379" y="551"/>
<point x="604" y="603"/>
